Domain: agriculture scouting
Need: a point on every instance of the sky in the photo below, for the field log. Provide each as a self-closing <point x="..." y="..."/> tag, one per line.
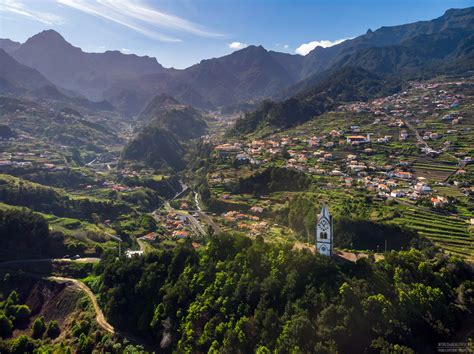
<point x="180" y="33"/>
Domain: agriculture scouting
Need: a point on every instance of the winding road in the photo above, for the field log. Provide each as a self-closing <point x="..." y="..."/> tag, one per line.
<point x="99" y="315"/>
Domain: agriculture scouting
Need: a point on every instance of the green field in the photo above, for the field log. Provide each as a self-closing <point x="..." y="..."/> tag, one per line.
<point x="449" y="232"/>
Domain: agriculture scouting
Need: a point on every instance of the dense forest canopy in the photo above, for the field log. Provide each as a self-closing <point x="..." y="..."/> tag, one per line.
<point x="350" y="83"/>
<point x="235" y="294"/>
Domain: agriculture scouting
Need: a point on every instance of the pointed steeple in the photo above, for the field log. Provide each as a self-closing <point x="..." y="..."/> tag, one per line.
<point x="324" y="232"/>
<point x="324" y="212"/>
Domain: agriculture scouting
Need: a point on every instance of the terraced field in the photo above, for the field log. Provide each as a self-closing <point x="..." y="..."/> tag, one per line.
<point x="438" y="171"/>
<point x="449" y="232"/>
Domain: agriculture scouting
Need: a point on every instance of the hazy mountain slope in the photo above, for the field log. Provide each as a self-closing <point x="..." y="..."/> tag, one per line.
<point x="64" y="126"/>
<point x="321" y="59"/>
<point x="51" y="92"/>
<point x="346" y="84"/>
<point x="16" y="77"/>
<point x="155" y="147"/>
<point x="246" y="74"/>
<point x="165" y="112"/>
<point x="20" y="80"/>
<point x="251" y="74"/>
<point x="425" y="55"/>
<point x="71" y="68"/>
<point x="415" y="56"/>
<point x="8" y="45"/>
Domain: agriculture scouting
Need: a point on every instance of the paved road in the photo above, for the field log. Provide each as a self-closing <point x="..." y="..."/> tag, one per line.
<point x="195" y="224"/>
<point x="208" y="220"/>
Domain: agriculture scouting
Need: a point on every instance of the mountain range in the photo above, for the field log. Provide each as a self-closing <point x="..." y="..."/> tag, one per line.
<point x="129" y="82"/>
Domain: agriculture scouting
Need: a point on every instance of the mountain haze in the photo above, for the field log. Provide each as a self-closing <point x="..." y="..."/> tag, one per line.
<point x="16" y="77"/>
<point x="130" y="82"/>
<point x="8" y="45"/>
<point x="69" y="67"/>
<point x="165" y="112"/>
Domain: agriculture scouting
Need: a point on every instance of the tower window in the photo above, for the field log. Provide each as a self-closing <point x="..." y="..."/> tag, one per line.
<point x="323" y="235"/>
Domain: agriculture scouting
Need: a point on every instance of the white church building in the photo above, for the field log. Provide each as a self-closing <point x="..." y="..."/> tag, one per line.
<point x="324" y="232"/>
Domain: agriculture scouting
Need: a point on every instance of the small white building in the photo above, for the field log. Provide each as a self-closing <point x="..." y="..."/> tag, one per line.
<point x="130" y="253"/>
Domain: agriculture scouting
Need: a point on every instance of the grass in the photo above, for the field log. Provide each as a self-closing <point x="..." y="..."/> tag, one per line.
<point x="434" y="167"/>
<point x="449" y="232"/>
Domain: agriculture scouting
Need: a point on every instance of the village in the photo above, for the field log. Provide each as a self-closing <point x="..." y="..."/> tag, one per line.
<point x="351" y="153"/>
<point x="414" y="147"/>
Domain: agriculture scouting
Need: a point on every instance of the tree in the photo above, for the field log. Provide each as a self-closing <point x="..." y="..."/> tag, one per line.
<point x="13" y="298"/>
<point x="85" y="344"/>
<point x="6" y="326"/>
<point x="52" y="330"/>
<point x="21" y="314"/>
<point x="82" y="327"/>
<point x="39" y="327"/>
<point x="22" y="344"/>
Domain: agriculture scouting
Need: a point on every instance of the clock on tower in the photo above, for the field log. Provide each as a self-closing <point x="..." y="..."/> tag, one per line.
<point x="324" y="236"/>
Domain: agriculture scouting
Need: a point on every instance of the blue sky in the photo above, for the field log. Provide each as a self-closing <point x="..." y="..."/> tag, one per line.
<point x="180" y="33"/>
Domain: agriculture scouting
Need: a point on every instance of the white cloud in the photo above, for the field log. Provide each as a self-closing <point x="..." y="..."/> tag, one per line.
<point x="286" y="46"/>
<point x="139" y="17"/>
<point x="19" y="8"/>
<point x="305" y="48"/>
<point x="125" y="50"/>
<point x="238" y="45"/>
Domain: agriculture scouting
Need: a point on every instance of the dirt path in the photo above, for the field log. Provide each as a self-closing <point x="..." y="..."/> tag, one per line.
<point x="350" y="256"/>
<point x="100" y="318"/>
<point x="46" y="260"/>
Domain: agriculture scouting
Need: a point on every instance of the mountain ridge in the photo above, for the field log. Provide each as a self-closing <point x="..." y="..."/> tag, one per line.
<point x="130" y="82"/>
<point x="70" y="67"/>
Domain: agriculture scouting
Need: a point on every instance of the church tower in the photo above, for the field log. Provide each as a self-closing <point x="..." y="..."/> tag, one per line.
<point x="324" y="232"/>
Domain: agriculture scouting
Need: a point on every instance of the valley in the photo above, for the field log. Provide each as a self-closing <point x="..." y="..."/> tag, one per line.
<point x="151" y="209"/>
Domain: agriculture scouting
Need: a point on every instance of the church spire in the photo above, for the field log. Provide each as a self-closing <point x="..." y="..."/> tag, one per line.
<point x="324" y="212"/>
<point x="324" y="232"/>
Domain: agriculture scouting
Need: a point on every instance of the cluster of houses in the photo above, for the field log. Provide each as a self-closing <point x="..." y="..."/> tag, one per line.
<point x="326" y="154"/>
<point x="43" y="160"/>
<point x="177" y="225"/>
<point x="298" y="151"/>
<point x="384" y="179"/>
<point x="429" y="101"/>
<point x="250" y="223"/>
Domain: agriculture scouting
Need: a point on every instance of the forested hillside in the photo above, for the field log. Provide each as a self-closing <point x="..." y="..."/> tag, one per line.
<point x="235" y="294"/>
<point x="347" y="84"/>
<point x="155" y="147"/>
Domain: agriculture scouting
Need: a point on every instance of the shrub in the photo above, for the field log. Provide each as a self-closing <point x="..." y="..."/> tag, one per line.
<point x="81" y="328"/>
<point x="39" y="327"/>
<point x="85" y="344"/>
<point x="22" y="344"/>
<point x="6" y="326"/>
<point x="21" y="314"/>
<point x="52" y="330"/>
